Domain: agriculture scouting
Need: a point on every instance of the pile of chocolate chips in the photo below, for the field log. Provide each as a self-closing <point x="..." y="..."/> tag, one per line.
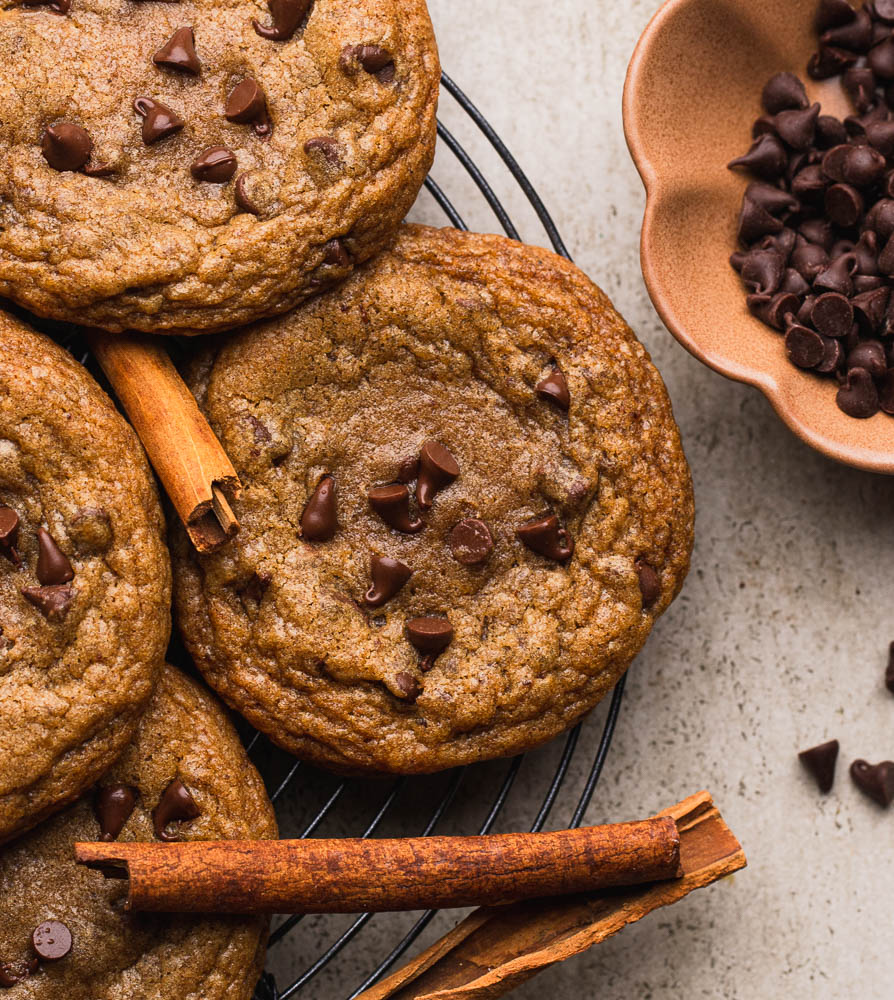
<point x="817" y="225"/>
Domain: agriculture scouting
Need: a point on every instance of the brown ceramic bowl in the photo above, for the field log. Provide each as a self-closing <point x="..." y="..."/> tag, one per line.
<point x="692" y="93"/>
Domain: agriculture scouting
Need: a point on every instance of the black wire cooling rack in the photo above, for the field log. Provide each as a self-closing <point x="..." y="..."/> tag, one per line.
<point x="287" y="779"/>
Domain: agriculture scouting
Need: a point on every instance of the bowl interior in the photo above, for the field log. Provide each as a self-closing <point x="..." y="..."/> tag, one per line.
<point x="692" y="94"/>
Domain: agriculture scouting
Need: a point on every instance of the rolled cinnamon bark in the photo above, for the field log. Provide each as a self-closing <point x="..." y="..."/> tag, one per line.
<point x="190" y="461"/>
<point x="352" y="876"/>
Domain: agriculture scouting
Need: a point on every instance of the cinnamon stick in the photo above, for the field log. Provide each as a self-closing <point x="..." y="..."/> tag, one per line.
<point x="496" y="949"/>
<point x="190" y="461"/>
<point x="352" y="876"/>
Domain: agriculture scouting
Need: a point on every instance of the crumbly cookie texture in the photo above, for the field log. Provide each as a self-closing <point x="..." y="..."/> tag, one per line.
<point x="171" y="167"/>
<point x="186" y="737"/>
<point x="417" y="416"/>
<point x="84" y="579"/>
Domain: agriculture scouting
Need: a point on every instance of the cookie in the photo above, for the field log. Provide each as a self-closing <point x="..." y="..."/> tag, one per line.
<point x="84" y="579"/>
<point x="465" y="505"/>
<point x="201" y="164"/>
<point x="185" y="742"/>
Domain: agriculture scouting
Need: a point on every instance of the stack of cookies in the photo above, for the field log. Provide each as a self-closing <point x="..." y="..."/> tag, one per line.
<point x="464" y="497"/>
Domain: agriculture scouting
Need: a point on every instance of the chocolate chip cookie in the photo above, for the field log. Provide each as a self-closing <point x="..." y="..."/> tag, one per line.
<point x="197" y="165"/>
<point x="465" y="505"/>
<point x="84" y="579"/>
<point x="63" y="929"/>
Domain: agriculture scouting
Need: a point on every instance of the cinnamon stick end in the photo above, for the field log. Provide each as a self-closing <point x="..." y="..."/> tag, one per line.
<point x="213" y="523"/>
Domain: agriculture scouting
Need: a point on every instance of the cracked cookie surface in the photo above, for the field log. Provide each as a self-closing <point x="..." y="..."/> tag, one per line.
<point x="84" y="579"/>
<point x="465" y="505"/>
<point x="130" y="217"/>
<point x="115" y="955"/>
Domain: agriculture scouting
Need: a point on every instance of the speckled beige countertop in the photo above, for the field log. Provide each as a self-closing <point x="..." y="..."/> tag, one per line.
<point x="779" y="640"/>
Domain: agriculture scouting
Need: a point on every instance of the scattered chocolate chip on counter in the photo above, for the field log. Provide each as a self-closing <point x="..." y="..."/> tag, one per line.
<point x="820" y="762"/>
<point x="875" y="780"/>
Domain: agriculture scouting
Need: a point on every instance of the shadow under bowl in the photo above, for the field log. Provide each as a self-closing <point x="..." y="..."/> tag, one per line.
<point x="691" y="96"/>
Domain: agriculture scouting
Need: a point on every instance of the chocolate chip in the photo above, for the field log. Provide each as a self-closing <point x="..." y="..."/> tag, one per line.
<point x="836" y="277"/>
<point x="809" y="260"/>
<point x="388" y="577"/>
<point x="649" y="583"/>
<point x="870" y="309"/>
<point x="820" y="762"/>
<point x="12" y="973"/>
<point x="859" y="82"/>
<point x="392" y="504"/>
<point x="372" y="58"/>
<point x="793" y="283"/>
<point x="829" y="132"/>
<point x="889" y="670"/>
<point x="175" y="806"/>
<point x="159" y="121"/>
<point x="804" y="346"/>
<point x="430" y="635"/>
<point x="437" y="470"/>
<point x="755" y="222"/>
<point x="797" y="128"/>
<point x="875" y="780"/>
<point x="247" y="105"/>
<point x="554" y="388"/>
<point x="858" y="397"/>
<point x="833" y="315"/>
<point x="545" y="537"/>
<point x="52" y="564"/>
<point x="855" y="36"/>
<point x="809" y="183"/>
<point x="287" y="16"/>
<point x="766" y="158"/>
<point x="66" y="146"/>
<point x="868" y="354"/>
<point x="784" y="92"/>
<point x="408" y="685"/>
<point x="215" y="165"/>
<point x="319" y="520"/>
<point x="762" y="271"/>
<point x="833" y="358"/>
<point x="772" y="199"/>
<point x="9" y="534"/>
<point x="325" y="145"/>
<point x="829" y="61"/>
<point x="844" y="205"/>
<point x="880" y="218"/>
<point x="54" y="601"/>
<point x="779" y="308"/>
<point x="179" y="53"/>
<point x="243" y="199"/>
<point x="51" y="941"/>
<point x="114" y="805"/>
<point x="336" y="255"/>
<point x="881" y="60"/>
<point x="471" y="542"/>
<point x="832" y="13"/>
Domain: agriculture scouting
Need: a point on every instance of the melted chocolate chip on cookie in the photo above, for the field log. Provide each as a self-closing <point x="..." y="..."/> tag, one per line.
<point x="215" y="165"/>
<point x="319" y="521"/>
<point x="159" y="121"/>
<point x="374" y="59"/>
<point x="430" y="635"/>
<point x="287" y="16"/>
<point x="179" y="53"/>
<point x="66" y="146"/>
<point x="547" y="538"/>
<point x="176" y="806"/>
<point x="471" y="542"/>
<point x="247" y="105"/>
<point x="437" y="470"/>
<point x="54" y="601"/>
<point x="9" y="534"/>
<point x="114" y="805"/>
<point x="12" y="973"/>
<point x="388" y="578"/>
<point x="392" y="504"/>
<point x="52" y="564"/>
<point x="554" y="388"/>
